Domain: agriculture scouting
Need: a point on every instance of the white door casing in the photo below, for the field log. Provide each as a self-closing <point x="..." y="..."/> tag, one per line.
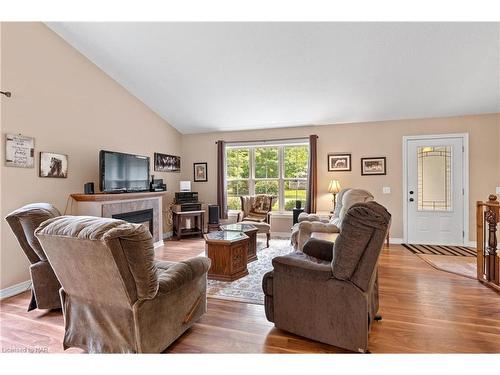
<point x="435" y="189"/>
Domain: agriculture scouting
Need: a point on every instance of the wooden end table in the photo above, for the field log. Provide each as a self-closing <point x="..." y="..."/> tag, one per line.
<point x="251" y="231"/>
<point x="228" y="252"/>
<point x="196" y="229"/>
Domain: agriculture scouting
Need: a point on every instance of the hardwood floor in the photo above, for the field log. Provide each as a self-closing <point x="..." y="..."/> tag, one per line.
<point x="424" y="311"/>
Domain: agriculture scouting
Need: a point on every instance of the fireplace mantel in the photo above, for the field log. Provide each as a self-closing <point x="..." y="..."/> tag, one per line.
<point x="107" y="205"/>
<point x="100" y="197"/>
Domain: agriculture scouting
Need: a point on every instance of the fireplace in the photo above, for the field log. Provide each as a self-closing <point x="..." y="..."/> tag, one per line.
<point x="144" y="217"/>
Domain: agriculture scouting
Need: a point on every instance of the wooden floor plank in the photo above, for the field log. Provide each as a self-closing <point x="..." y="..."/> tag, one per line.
<point x="424" y="311"/>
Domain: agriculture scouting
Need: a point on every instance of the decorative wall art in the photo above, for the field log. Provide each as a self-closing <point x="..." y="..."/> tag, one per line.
<point x="373" y="166"/>
<point x="200" y="172"/>
<point x="53" y="165"/>
<point x="167" y="163"/>
<point x="339" y="162"/>
<point x="19" y="151"/>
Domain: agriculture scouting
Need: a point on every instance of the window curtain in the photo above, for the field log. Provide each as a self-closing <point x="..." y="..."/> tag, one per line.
<point x="221" y="179"/>
<point x="312" y="176"/>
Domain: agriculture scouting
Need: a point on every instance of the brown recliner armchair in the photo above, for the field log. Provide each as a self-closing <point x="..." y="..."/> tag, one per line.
<point x="115" y="297"/>
<point x="331" y="294"/>
<point x="44" y="284"/>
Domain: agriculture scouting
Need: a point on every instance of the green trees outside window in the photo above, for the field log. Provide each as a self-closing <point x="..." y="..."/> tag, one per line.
<point x="278" y="170"/>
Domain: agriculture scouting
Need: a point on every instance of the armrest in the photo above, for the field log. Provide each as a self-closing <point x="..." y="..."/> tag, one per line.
<point x="319" y="249"/>
<point x="301" y="266"/>
<point x="303" y="216"/>
<point x="317" y="226"/>
<point x="172" y="276"/>
<point x="240" y="216"/>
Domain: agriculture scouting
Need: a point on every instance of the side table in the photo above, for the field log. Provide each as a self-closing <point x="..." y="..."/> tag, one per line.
<point x="251" y="231"/>
<point x="198" y="224"/>
<point x="296" y="213"/>
<point x="228" y="252"/>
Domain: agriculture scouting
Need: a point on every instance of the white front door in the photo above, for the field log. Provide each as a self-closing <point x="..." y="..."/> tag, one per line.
<point x="435" y="190"/>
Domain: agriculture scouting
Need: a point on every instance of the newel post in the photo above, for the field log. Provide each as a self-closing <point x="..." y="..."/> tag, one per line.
<point x="491" y="218"/>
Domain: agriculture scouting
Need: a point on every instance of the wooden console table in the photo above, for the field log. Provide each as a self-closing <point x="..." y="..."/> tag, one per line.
<point x="197" y="229"/>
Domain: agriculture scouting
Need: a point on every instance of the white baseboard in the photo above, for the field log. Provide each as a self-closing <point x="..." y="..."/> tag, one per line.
<point x="15" y="289"/>
<point x="395" y="240"/>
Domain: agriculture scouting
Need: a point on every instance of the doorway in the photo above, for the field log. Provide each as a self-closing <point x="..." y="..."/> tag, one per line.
<point x="435" y="189"/>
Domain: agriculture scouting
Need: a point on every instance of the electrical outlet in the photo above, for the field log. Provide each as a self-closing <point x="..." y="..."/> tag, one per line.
<point x="386" y="190"/>
<point x="498" y="190"/>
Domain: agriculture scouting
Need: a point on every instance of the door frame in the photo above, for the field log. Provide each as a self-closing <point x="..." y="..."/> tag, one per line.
<point x="465" y="178"/>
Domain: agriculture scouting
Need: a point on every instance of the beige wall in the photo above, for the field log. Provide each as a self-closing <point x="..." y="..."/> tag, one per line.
<point x="70" y="106"/>
<point x="367" y="140"/>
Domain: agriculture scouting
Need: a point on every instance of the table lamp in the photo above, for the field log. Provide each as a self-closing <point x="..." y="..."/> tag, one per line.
<point x="334" y="188"/>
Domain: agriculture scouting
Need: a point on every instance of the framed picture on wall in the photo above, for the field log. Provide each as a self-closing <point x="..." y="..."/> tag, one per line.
<point x="200" y="172"/>
<point x="19" y="151"/>
<point x="339" y="162"/>
<point x="53" y="165"/>
<point x="373" y="166"/>
<point x="167" y="163"/>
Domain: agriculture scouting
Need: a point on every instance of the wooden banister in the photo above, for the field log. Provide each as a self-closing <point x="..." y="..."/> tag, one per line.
<point x="488" y="257"/>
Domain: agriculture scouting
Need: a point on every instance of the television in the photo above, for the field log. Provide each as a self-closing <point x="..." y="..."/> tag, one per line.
<point x="121" y="172"/>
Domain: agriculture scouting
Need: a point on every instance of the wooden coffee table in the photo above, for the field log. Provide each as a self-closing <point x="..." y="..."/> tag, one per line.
<point x="251" y="231"/>
<point x="228" y="252"/>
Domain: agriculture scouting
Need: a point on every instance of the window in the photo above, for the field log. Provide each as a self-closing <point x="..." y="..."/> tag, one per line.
<point x="280" y="170"/>
<point x="434" y="178"/>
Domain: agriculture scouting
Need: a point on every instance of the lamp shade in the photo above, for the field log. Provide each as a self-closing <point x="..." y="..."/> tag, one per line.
<point x="334" y="186"/>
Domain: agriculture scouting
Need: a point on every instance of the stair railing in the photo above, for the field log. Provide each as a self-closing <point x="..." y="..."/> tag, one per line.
<point x="488" y="257"/>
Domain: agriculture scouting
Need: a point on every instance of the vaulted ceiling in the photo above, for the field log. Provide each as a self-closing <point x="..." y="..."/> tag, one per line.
<point x="204" y="77"/>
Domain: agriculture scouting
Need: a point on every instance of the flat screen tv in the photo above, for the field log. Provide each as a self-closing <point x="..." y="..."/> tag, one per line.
<point x="123" y="172"/>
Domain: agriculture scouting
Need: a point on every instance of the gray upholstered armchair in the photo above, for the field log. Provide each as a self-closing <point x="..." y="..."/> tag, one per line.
<point x="330" y="293"/>
<point x="44" y="284"/>
<point x="115" y="297"/>
<point x="312" y="223"/>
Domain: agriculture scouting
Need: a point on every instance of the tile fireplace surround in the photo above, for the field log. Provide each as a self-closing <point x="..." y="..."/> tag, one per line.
<point x="107" y="205"/>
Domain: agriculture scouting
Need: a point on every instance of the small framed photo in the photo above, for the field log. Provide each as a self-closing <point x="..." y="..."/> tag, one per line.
<point x="53" y="165"/>
<point x="200" y="172"/>
<point x="167" y="163"/>
<point x="373" y="166"/>
<point x="339" y="162"/>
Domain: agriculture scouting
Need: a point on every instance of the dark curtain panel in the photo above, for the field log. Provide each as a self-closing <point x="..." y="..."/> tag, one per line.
<point x="221" y="179"/>
<point x="312" y="177"/>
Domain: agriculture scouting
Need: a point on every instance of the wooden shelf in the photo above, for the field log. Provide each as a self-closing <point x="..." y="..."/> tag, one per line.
<point x="100" y="197"/>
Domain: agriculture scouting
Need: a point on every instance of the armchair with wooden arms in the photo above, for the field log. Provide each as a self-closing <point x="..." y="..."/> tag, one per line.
<point x="256" y="208"/>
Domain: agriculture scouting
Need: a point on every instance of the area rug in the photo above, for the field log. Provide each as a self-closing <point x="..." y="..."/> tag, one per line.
<point x="460" y="260"/>
<point x="248" y="289"/>
<point x="460" y="251"/>
<point x="463" y="266"/>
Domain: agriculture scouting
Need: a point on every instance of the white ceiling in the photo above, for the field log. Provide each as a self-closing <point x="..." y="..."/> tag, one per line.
<point x="204" y="77"/>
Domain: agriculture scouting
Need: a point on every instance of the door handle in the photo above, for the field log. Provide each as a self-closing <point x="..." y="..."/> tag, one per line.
<point x="411" y="199"/>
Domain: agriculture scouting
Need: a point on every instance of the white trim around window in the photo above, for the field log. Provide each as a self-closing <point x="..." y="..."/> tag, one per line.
<point x="280" y="144"/>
